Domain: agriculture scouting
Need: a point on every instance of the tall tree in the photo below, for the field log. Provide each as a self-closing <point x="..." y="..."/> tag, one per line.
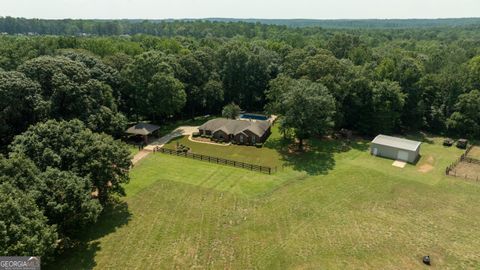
<point x="387" y="105"/>
<point x="69" y="146"/>
<point x="23" y="227"/>
<point x="309" y="110"/>
<point x="66" y="200"/>
<point x="154" y="92"/>
<point x="75" y="91"/>
<point x="21" y="104"/>
<point x="165" y="96"/>
<point x="465" y="121"/>
<point x="245" y="73"/>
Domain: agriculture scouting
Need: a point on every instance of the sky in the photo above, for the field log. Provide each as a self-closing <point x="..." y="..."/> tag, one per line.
<point x="265" y="9"/>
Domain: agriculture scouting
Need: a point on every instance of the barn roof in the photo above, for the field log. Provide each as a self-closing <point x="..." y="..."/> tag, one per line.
<point x="398" y="143"/>
<point x="142" y="129"/>
<point x="234" y="127"/>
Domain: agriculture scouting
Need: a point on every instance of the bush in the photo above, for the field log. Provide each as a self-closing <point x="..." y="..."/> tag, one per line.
<point x="196" y="134"/>
<point x="259" y="145"/>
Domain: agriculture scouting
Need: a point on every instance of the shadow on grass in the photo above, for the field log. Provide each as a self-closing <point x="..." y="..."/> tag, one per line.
<point x="82" y="254"/>
<point x="318" y="158"/>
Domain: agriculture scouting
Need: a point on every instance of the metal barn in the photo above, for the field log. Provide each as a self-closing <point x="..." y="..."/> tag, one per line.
<point x="396" y="148"/>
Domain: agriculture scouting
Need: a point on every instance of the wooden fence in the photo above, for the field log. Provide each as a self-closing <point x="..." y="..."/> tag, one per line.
<point x="463" y="158"/>
<point x="454" y="173"/>
<point x="233" y="163"/>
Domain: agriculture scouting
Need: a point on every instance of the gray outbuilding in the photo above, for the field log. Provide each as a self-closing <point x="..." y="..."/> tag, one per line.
<point x="395" y="148"/>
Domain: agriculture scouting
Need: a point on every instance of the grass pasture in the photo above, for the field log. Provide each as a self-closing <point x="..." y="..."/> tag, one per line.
<point x="325" y="209"/>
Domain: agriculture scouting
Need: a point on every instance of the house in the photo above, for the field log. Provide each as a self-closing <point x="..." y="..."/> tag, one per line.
<point x="396" y="148"/>
<point x="238" y="131"/>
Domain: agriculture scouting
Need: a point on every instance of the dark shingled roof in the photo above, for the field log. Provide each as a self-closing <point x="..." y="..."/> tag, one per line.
<point x="142" y="129"/>
<point x="235" y="127"/>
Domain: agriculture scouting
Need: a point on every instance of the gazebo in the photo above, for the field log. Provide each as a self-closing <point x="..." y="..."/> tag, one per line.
<point x="142" y="129"/>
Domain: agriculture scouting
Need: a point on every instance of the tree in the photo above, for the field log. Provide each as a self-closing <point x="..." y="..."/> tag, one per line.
<point x="69" y="146"/>
<point x="387" y="105"/>
<point x="407" y="71"/>
<point x="212" y="96"/>
<point x="165" y="96"/>
<point x="309" y="110"/>
<point x="335" y="74"/>
<point x="231" y="111"/>
<point x="21" y="104"/>
<point x="465" y="121"/>
<point x="44" y="68"/>
<point x="342" y="44"/>
<point x="474" y="72"/>
<point x="66" y="200"/>
<point x="98" y="70"/>
<point x="24" y="230"/>
<point x="107" y="120"/>
<point x="245" y="73"/>
<point x="277" y="89"/>
<point x="77" y="89"/>
<point x="153" y="90"/>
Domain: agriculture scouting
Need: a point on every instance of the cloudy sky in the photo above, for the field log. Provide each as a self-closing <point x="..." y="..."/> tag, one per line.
<point x="312" y="9"/>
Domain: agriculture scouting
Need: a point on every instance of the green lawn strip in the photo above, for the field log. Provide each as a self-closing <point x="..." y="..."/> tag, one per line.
<point x="157" y="167"/>
<point x="248" y="154"/>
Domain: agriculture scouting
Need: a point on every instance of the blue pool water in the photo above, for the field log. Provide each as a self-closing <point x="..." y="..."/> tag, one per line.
<point x="253" y="116"/>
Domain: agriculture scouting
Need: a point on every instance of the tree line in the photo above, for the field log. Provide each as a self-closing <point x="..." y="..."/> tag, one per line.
<point x="66" y="100"/>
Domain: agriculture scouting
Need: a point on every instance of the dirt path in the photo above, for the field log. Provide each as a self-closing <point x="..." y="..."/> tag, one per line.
<point x="139" y="156"/>
<point x="178" y="132"/>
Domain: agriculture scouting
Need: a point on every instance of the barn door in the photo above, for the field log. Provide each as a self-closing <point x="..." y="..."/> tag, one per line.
<point x="402" y="155"/>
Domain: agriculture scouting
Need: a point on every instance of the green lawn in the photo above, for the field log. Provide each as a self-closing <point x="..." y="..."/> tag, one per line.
<point x="260" y="156"/>
<point x="326" y="209"/>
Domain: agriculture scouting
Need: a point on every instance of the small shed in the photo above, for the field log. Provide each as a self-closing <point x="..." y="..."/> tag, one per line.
<point x="396" y="148"/>
<point x="142" y="129"/>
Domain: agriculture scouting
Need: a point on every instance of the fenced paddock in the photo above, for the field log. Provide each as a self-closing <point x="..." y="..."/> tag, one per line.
<point x="467" y="166"/>
<point x="217" y="160"/>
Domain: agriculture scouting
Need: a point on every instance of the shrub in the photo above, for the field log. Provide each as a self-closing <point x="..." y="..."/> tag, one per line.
<point x="196" y="134"/>
<point x="259" y="145"/>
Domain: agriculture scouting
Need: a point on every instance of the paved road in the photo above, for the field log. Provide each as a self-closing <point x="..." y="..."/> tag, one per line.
<point x="178" y="132"/>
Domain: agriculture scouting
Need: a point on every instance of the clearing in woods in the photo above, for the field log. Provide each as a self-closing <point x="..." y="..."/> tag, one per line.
<point x="328" y="209"/>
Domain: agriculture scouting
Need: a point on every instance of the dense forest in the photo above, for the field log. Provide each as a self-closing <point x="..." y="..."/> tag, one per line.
<point x="69" y="88"/>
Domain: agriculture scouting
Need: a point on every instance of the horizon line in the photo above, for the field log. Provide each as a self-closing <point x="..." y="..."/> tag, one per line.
<point x="242" y="18"/>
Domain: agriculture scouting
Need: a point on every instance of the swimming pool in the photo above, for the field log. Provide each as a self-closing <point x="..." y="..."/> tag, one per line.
<point x="253" y="116"/>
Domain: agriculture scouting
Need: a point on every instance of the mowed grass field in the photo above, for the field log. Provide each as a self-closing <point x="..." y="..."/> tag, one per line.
<point x="325" y="209"/>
